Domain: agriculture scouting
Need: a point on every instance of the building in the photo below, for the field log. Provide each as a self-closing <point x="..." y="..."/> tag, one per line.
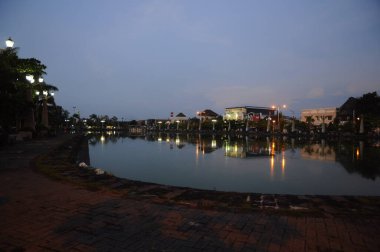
<point x="179" y="117"/>
<point x="319" y="115"/>
<point x="207" y="114"/>
<point x="247" y="112"/>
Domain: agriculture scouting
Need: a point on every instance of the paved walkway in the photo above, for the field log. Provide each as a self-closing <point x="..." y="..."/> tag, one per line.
<point x="39" y="214"/>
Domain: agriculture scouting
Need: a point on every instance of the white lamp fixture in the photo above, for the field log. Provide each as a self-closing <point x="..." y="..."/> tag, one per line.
<point x="9" y="43"/>
<point x="30" y="78"/>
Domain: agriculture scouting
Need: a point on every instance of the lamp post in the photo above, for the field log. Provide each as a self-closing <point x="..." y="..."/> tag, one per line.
<point x="44" y="96"/>
<point x="177" y="124"/>
<point x="45" y="115"/>
<point x="213" y="124"/>
<point x="159" y="125"/>
<point x="188" y="124"/>
<point x="278" y="114"/>
<point x="30" y="122"/>
<point x="67" y="123"/>
<point x="102" y="121"/>
<point x="268" y="123"/>
<point x="323" y="125"/>
<point x="200" y="120"/>
<point x="293" y="121"/>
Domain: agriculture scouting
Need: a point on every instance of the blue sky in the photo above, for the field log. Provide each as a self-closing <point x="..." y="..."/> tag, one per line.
<point x="144" y="59"/>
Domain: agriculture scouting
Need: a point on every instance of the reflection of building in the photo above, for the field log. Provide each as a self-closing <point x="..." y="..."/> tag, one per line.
<point x="319" y="115"/>
<point x="242" y="113"/>
<point x="245" y="150"/>
<point x="318" y="152"/>
<point x="234" y="150"/>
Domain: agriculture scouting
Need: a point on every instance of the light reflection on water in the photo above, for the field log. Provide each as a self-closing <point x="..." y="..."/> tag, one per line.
<point x="265" y="165"/>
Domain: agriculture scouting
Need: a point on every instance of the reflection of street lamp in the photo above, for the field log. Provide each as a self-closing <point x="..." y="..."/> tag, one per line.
<point x="213" y="124"/>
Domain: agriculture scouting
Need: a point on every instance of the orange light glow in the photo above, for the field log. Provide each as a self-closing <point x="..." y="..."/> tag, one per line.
<point x="283" y="166"/>
<point x="272" y="167"/>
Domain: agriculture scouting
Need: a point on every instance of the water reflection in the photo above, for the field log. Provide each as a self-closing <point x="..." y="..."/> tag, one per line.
<point x="246" y="148"/>
<point x="319" y="151"/>
<point x="356" y="157"/>
<point x="362" y="158"/>
<point x="281" y="159"/>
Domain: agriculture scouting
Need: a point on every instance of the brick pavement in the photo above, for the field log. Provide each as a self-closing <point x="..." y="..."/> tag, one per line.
<point x="40" y="214"/>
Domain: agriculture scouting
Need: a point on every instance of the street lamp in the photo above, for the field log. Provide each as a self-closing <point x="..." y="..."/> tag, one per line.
<point x="278" y="114"/>
<point x="213" y="124"/>
<point x="44" y="96"/>
<point x="323" y="125"/>
<point x="200" y="120"/>
<point x="45" y="115"/>
<point x="293" y="121"/>
<point x="159" y="125"/>
<point x="29" y="121"/>
<point x="102" y="121"/>
<point x="67" y="123"/>
<point x="9" y="43"/>
<point x="268" y="124"/>
<point x="177" y="124"/>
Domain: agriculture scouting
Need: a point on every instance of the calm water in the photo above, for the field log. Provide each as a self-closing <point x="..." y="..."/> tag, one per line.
<point x="241" y="164"/>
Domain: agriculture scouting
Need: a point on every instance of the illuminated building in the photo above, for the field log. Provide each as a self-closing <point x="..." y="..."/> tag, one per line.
<point x="319" y="115"/>
<point x="247" y="112"/>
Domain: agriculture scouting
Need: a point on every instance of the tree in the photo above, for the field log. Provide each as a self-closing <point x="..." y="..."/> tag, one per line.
<point x="369" y="104"/>
<point x="309" y="121"/>
<point x="14" y="88"/>
<point x="114" y="120"/>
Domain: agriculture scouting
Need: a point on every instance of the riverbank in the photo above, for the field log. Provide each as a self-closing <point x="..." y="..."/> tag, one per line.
<point x="55" y="165"/>
<point x="84" y="210"/>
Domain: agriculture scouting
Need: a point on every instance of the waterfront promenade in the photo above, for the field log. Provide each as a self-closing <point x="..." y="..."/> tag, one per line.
<point x="38" y="213"/>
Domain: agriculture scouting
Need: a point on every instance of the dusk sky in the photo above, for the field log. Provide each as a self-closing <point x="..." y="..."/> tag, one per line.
<point x="145" y="59"/>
